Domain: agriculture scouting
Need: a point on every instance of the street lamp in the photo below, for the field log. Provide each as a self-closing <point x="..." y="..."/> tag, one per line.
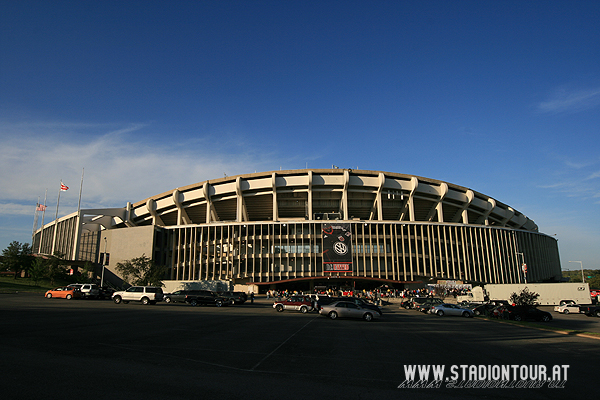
<point x="582" y="277"/>
<point x="523" y="266"/>
<point x="103" y="264"/>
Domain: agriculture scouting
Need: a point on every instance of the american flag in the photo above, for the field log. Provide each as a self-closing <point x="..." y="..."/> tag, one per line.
<point x="63" y="187"/>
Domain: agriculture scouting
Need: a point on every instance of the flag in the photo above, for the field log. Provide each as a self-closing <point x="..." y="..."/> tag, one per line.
<point x="41" y="207"/>
<point x="63" y="187"/>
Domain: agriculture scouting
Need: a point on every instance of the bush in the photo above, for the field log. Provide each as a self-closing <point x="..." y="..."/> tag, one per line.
<point x="525" y="298"/>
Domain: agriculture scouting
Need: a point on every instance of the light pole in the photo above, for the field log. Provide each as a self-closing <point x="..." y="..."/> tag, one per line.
<point x="582" y="277"/>
<point x="523" y="266"/>
<point x="103" y="263"/>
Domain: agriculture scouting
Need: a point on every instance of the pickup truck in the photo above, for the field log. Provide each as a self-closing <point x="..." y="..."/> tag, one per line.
<point x="590" y="310"/>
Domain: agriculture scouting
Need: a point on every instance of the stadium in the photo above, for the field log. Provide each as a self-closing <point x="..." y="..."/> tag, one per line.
<point x="302" y="229"/>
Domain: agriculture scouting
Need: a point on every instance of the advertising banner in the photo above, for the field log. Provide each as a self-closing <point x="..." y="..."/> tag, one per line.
<point x="337" y="247"/>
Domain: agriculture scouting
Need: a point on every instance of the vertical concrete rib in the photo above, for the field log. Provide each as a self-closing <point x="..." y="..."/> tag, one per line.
<point x="274" y="190"/>
<point x="310" y="195"/>
<point x="344" y="205"/>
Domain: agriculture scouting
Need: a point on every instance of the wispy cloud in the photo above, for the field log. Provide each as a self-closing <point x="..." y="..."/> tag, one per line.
<point x="595" y="175"/>
<point x="122" y="163"/>
<point x="569" y="100"/>
<point x="575" y="179"/>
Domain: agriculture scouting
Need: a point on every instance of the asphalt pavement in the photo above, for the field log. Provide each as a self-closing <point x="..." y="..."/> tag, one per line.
<point x="83" y="348"/>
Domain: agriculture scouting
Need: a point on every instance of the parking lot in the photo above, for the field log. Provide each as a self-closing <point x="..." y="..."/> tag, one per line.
<point x="175" y="351"/>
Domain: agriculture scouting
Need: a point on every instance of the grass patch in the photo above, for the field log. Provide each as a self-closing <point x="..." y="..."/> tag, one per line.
<point x="11" y="285"/>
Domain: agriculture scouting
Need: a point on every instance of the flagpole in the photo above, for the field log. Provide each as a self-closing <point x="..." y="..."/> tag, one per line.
<point x="78" y="221"/>
<point x="42" y="228"/>
<point x="35" y="220"/>
<point x="58" y="202"/>
<point x="56" y="220"/>
<point x="80" y="190"/>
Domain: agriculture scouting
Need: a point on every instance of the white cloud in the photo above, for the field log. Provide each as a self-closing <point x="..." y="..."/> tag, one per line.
<point x="567" y="100"/>
<point x="18" y="209"/>
<point x="121" y="164"/>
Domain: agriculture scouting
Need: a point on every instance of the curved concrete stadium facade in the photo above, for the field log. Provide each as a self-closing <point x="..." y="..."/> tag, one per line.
<point x="284" y="226"/>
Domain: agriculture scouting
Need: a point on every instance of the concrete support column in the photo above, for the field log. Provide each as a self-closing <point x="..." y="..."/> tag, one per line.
<point x="274" y="188"/>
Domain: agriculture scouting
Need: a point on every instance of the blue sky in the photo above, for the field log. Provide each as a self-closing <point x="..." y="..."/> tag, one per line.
<point x="501" y="97"/>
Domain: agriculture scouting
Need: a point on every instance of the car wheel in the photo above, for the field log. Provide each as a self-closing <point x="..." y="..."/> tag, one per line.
<point x="440" y="313"/>
<point x="145" y="301"/>
<point x="518" y="317"/>
<point x="279" y="308"/>
<point x="69" y="296"/>
<point x="598" y="313"/>
<point x="117" y="299"/>
<point x="477" y="312"/>
<point x="368" y="317"/>
<point x="333" y="315"/>
<point x="167" y="299"/>
<point x="303" y="309"/>
<point x="466" y="314"/>
<point x="219" y="303"/>
<point x="49" y="296"/>
<point x="194" y="303"/>
<point x="566" y="312"/>
<point x="546" y="318"/>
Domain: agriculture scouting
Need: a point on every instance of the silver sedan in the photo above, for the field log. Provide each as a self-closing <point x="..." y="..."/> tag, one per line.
<point x="346" y="309"/>
<point x="451" y="309"/>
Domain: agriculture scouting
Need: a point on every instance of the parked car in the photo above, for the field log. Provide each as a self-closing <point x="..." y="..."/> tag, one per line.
<point x="483" y="309"/>
<point x="88" y="290"/>
<point x="178" y="296"/>
<point x="323" y="300"/>
<point x="522" y="313"/>
<point x="567" y="308"/>
<point x="234" y="297"/>
<point x="590" y="310"/>
<point x="429" y="304"/>
<point x="413" y="301"/>
<point x="143" y="294"/>
<point x="303" y="304"/>
<point x="206" y="298"/>
<point x="106" y="292"/>
<point x="63" y="292"/>
<point x="364" y="304"/>
<point x="347" y="309"/>
<point x="451" y="310"/>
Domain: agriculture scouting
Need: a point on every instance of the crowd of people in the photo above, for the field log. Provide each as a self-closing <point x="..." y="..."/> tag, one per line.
<point x="376" y="294"/>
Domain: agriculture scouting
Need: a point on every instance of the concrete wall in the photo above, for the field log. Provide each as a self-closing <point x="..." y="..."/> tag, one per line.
<point x="125" y="244"/>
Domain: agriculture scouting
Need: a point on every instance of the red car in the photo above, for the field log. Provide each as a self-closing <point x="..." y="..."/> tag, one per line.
<point x="299" y="303"/>
<point x="63" y="292"/>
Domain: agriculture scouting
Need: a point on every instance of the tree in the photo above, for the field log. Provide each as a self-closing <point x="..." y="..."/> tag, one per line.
<point x="55" y="267"/>
<point x="87" y="273"/>
<point x="16" y="257"/>
<point x="39" y="270"/>
<point x="141" y="271"/>
<point x="525" y="298"/>
<point x="593" y="278"/>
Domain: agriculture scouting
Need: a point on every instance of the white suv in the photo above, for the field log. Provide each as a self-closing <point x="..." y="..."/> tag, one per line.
<point x="143" y="294"/>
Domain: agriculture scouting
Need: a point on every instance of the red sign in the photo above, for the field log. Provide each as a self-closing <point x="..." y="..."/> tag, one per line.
<point x="338" y="267"/>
